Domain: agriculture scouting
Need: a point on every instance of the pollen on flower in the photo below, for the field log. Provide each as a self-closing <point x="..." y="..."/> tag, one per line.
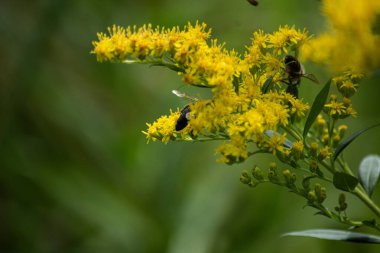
<point x="335" y="108"/>
<point x="163" y="128"/>
<point x="276" y="143"/>
<point x="286" y="37"/>
<point x="298" y="146"/>
<point x="234" y="151"/>
<point x="298" y="108"/>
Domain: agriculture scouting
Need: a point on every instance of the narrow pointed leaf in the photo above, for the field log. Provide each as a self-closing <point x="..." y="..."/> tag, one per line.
<point x="336" y="235"/>
<point x="369" y="171"/>
<point x="266" y="85"/>
<point x="317" y="107"/>
<point x="350" y="139"/>
<point x="345" y="182"/>
<point x="236" y="84"/>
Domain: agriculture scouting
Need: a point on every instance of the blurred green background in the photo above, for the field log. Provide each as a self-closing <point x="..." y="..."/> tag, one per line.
<point x="76" y="172"/>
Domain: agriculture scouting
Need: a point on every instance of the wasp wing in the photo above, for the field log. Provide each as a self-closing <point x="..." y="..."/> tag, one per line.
<point x="183" y="95"/>
<point x="311" y="77"/>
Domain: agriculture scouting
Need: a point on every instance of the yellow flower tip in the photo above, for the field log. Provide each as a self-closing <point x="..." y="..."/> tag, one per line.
<point x="342" y="128"/>
<point x="276" y="143"/>
<point x="235" y="151"/>
<point x="324" y="153"/>
<point x="298" y="146"/>
<point x="321" y="122"/>
<point x="163" y="128"/>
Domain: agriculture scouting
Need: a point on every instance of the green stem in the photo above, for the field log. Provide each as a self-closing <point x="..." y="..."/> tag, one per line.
<point x="331" y="132"/>
<point x="359" y="191"/>
<point x="345" y="167"/>
<point x="324" y="164"/>
<point x="364" y="198"/>
<point x="290" y="130"/>
<point x="202" y="139"/>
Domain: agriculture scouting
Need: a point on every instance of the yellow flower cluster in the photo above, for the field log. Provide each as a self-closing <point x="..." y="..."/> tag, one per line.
<point x="239" y="112"/>
<point x="163" y="128"/>
<point x="347" y="84"/>
<point x="353" y="39"/>
<point x="123" y="44"/>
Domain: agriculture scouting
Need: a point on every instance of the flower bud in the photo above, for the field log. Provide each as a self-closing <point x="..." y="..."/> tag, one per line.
<point x="272" y="174"/>
<point x="245" y="178"/>
<point x="325" y="139"/>
<point x="320" y="193"/>
<point x="273" y="165"/>
<point x="342" y="202"/>
<point x="311" y="196"/>
<point x="336" y="140"/>
<point x="342" y="129"/>
<point x="297" y="150"/>
<point x="313" y="166"/>
<point x="321" y="122"/>
<point x="257" y="173"/>
<point x="313" y="149"/>
<point x="290" y="178"/>
<point x="324" y="153"/>
<point x="333" y="97"/>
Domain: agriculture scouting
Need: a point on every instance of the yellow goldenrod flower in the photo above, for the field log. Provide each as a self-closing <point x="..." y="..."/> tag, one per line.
<point x="352" y="42"/>
<point x="163" y="128"/>
<point x="342" y="129"/>
<point x="298" y="146"/>
<point x="297" y="149"/>
<point x="235" y="151"/>
<point x="298" y="108"/>
<point x="237" y="110"/>
<point x="324" y="153"/>
<point x="276" y="143"/>
<point x="335" y="108"/>
<point x="286" y="38"/>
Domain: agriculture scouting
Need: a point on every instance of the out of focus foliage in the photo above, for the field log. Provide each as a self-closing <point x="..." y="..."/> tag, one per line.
<point x="76" y="173"/>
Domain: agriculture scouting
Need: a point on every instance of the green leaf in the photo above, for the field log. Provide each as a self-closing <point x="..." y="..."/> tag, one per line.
<point x="317" y="107"/>
<point x="350" y="139"/>
<point x="369" y="171"/>
<point x="236" y="84"/>
<point x="345" y="182"/>
<point x="336" y="235"/>
<point x="266" y="85"/>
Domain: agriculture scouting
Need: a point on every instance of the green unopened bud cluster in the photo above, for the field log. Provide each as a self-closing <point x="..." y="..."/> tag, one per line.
<point x="318" y="195"/>
<point x="290" y="178"/>
<point x="313" y="149"/>
<point x="272" y="173"/>
<point x="252" y="179"/>
<point x="245" y="178"/>
<point x="257" y="173"/>
<point x="342" y="203"/>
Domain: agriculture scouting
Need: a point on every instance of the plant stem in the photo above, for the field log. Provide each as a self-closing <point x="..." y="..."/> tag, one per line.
<point x="364" y="198"/>
<point x="359" y="191"/>
<point x="290" y="130"/>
